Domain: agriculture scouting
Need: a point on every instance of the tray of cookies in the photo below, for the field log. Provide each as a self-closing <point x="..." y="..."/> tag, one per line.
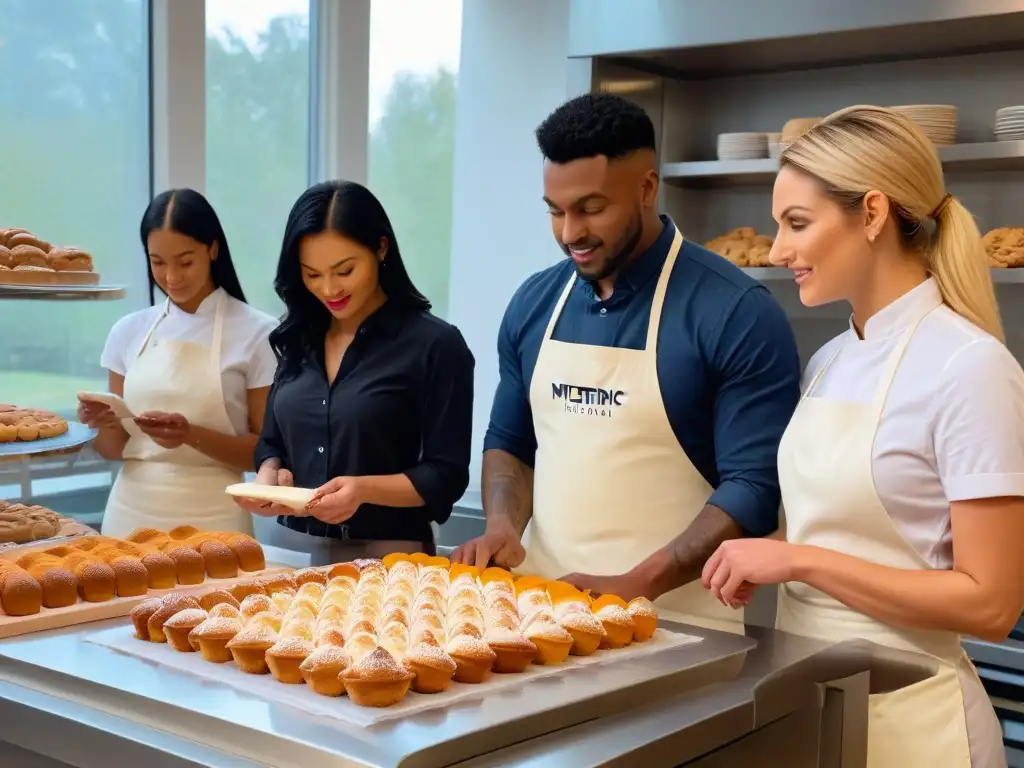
<point x="374" y="640"/>
<point x="92" y="578"/>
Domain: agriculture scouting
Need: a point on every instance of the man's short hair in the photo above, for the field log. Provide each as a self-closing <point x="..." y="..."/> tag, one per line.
<point x="595" y="124"/>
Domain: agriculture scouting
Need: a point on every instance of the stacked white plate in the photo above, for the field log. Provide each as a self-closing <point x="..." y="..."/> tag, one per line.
<point x="774" y="144"/>
<point x="742" y="146"/>
<point x="936" y="121"/>
<point x="1010" y="124"/>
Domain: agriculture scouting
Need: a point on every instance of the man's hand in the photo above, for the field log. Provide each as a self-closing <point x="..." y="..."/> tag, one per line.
<point x="337" y="500"/>
<point x="168" y="430"/>
<point x="499" y="543"/>
<point x="625" y="585"/>
<point x="268" y="476"/>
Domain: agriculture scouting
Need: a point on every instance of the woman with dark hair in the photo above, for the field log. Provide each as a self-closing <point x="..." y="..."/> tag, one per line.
<point x="194" y="369"/>
<point x="372" y="404"/>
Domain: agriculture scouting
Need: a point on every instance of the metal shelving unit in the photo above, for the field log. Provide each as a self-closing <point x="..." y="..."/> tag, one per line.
<point x="775" y="274"/>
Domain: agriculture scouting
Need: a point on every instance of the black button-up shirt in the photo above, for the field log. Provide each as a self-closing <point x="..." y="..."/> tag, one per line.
<point x="402" y="402"/>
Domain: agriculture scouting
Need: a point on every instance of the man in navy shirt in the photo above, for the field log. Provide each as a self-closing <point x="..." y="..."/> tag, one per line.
<point x="645" y="383"/>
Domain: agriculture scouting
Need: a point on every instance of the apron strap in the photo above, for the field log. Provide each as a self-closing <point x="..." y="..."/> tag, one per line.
<point x="821" y="372"/>
<point x="549" y="331"/>
<point x="654" y="323"/>
<point x="218" y="335"/>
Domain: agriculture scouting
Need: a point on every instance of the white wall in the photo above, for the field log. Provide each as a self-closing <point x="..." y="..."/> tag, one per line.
<point x="513" y="72"/>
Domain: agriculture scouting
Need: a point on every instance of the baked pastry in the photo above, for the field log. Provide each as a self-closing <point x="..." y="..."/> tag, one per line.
<point x="247" y="551"/>
<point x="227" y="611"/>
<point x="307" y="575"/>
<point x="29" y="240"/>
<point x="178" y="628"/>
<point x="513" y="653"/>
<point x="26" y="255"/>
<point x="249" y="649"/>
<point x="221" y="562"/>
<point x="473" y="658"/>
<point x="96" y="580"/>
<point x="359" y="644"/>
<point x="553" y="642"/>
<point x="28" y="424"/>
<point x="170" y="605"/>
<point x="20" y="594"/>
<point x="645" y="619"/>
<point x="130" y="576"/>
<point x="586" y="631"/>
<point x="377" y="680"/>
<point x="277" y="582"/>
<point x="254" y="604"/>
<point x="322" y="670"/>
<point x="188" y="564"/>
<point x="432" y="668"/>
<point x="217" y="597"/>
<point x="161" y="569"/>
<point x="141" y="615"/>
<point x="213" y="635"/>
<point x="59" y="585"/>
<point x="267" y="619"/>
<point x="22" y="523"/>
<point x="69" y="259"/>
<point x="285" y="656"/>
<point x="1004" y="247"/>
<point x="243" y="589"/>
<point x="743" y="246"/>
<point x="618" y="624"/>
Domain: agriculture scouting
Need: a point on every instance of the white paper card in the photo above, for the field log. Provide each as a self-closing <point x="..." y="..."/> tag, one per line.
<point x="112" y="401"/>
<point x="285" y="495"/>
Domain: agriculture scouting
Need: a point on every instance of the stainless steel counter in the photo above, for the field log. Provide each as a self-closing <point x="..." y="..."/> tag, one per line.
<point x="84" y="705"/>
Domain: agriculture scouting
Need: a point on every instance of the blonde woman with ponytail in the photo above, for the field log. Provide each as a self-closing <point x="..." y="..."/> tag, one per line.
<point x="902" y="471"/>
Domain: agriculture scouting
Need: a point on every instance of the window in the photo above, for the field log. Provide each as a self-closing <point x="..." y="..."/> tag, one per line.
<point x="74" y="149"/>
<point x="257" y="129"/>
<point x="414" y="65"/>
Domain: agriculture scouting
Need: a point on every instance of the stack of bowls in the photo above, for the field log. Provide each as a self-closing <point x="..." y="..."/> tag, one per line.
<point x="742" y="146"/>
<point x="936" y="121"/>
<point x="1010" y="124"/>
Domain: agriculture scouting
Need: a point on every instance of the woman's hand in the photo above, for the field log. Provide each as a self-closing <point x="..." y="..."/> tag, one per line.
<point x="337" y="500"/>
<point x="740" y="565"/>
<point x="96" y="415"/>
<point x="168" y="430"/>
<point x="268" y="475"/>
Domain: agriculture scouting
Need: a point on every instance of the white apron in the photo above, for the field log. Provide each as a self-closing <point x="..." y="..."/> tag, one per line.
<point x="829" y="500"/>
<point x="612" y="484"/>
<point x="162" y="488"/>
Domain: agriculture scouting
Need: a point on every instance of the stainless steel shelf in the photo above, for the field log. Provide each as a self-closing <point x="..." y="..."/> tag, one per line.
<point x="772" y="274"/>
<point x="985" y="156"/>
<point x="63" y="293"/>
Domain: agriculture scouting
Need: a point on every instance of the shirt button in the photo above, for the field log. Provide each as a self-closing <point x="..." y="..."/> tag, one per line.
<point x="320" y="449"/>
<point x="362" y="331"/>
<point x="325" y="402"/>
<point x="604" y="311"/>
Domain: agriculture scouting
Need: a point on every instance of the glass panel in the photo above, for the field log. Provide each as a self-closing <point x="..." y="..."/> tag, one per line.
<point x="257" y="129"/>
<point x="74" y="153"/>
<point x="414" y="67"/>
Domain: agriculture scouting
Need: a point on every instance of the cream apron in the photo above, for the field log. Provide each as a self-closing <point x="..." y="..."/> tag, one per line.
<point x="163" y="488"/>
<point x="829" y="500"/>
<point x="612" y="484"/>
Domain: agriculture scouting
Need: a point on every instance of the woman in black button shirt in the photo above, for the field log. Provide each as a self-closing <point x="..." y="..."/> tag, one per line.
<point x="373" y="398"/>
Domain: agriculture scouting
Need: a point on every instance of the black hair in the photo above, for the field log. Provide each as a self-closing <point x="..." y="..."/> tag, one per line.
<point x="351" y="210"/>
<point x="191" y="215"/>
<point x="595" y="124"/>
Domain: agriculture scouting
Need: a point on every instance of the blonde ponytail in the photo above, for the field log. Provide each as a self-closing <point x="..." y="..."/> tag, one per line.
<point x="860" y="149"/>
<point x="958" y="262"/>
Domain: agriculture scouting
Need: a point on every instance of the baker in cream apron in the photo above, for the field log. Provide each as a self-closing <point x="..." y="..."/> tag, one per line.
<point x="163" y="488"/>
<point x="612" y="485"/>
<point x="829" y="500"/>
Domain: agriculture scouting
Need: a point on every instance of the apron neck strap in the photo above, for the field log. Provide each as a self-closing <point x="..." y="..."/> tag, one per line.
<point x="218" y="333"/>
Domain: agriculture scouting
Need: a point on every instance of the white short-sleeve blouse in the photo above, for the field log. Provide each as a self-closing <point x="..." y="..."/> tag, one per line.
<point x="247" y="361"/>
<point x="953" y="425"/>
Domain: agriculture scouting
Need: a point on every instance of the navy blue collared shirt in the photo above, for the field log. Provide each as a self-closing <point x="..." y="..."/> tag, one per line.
<point x="728" y="366"/>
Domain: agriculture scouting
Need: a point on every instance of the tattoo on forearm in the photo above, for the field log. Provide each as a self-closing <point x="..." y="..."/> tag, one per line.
<point x="692" y="548"/>
<point x="507" y="488"/>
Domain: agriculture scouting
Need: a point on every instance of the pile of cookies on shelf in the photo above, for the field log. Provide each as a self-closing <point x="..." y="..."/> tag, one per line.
<point x="29" y="424"/>
<point x="375" y="629"/>
<point x="22" y="251"/>
<point x="24" y="523"/>
<point x="96" y="569"/>
<point x="743" y="246"/>
<point x="1005" y="247"/>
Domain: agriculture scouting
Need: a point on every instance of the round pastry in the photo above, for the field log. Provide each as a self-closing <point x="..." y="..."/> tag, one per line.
<point x="432" y="666"/>
<point x="254" y="604"/>
<point x="141" y="614"/>
<point x="310" y="575"/>
<point x="465" y="628"/>
<point x="301" y="628"/>
<point x="213" y="635"/>
<point x="327" y="634"/>
<point x="513" y="653"/>
<point x="618" y="625"/>
<point x="131" y="578"/>
<point x="59" y="585"/>
<point x="178" y="628"/>
<point x="68" y="259"/>
<point x="367" y="566"/>
<point x="170" y="605"/>
<point x="360" y="644"/>
<point x="285" y="656"/>
<point x="183" y="532"/>
<point x="377" y="680"/>
<point x="586" y="630"/>
<point x="226" y="611"/>
<point x="330" y="614"/>
<point x="243" y="589"/>
<point x="162" y="571"/>
<point x="322" y="670"/>
<point x="311" y="590"/>
<point x="189" y="564"/>
<point x="269" y="619"/>
<point x="27" y="239"/>
<point x="221" y="562"/>
<point x="96" y="582"/>
<point x="249" y="649"/>
<point x="473" y="658"/>
<point x="645" y="618"/>
<point x="20" y="593"/>
<point x="282" y="600"/>
<point x="342" y="570"/>
<point x="552" y="641"/>
<point x="217" y="597"/>
<point x="147" y="535"/>
<point x="248" y="551"/>
<point x="277" y="582"/>
<point x="27" y="256"/>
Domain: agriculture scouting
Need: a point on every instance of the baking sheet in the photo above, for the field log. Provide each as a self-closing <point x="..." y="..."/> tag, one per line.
<point x="123" y="640"/>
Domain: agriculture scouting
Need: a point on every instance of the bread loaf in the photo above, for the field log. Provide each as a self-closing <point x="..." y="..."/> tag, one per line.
<point x="20" y="593"/>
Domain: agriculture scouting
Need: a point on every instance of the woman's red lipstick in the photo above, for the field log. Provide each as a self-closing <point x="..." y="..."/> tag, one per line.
<point x="336" y="305"/>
